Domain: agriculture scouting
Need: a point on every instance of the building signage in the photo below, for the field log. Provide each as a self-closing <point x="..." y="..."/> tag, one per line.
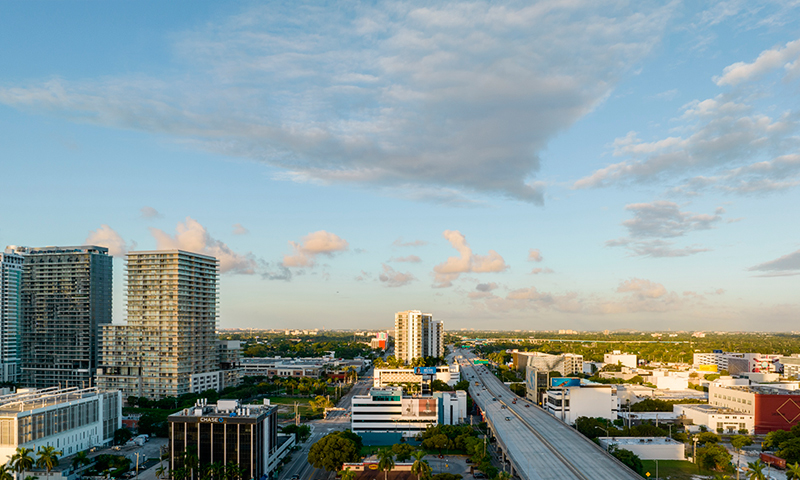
<point x="556" y="382"/>
<point x="425" y="370"/>
<point x="212" y="419"/>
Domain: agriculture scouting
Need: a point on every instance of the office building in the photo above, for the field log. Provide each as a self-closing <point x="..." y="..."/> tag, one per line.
<point x="647" y="448"/>
<point x="570" y="399"/>
<point x="565" y="364"/>
<point x="385" y="416"/>
<point x="169" y="346"/>
<point x="10" y="315"/>
<point x="69" y="419"/>
<point x="229" y="432"/>
<point x="66" y="299"/>
<point x="417" y="335"/>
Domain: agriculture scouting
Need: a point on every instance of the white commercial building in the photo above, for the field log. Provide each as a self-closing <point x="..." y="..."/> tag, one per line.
<point x="417" y="335"/>
<point x="647" y="448"/>
<point x="587" y="400"/>
<point x="715" y="418"/>
<point x="617" y="357"/>
<point x="449" y="374"/>
<point x="69" y="419"/>
<point x="387" y="410"/>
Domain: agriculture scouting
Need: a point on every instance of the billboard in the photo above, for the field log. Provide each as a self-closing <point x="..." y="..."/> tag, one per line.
<point x="558" y="382"/>
<point x="481" y="362"/>
<point x="707" y="368"/>
<point x="425" y="370"/>
<point x="419" y="407"/>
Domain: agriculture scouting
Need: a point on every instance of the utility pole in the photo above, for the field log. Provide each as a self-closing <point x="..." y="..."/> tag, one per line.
<point x="296" y="414"/>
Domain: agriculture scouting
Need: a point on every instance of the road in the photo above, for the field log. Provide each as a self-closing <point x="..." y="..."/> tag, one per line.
<point x="336" y="421"/>
<point x="540" y="446"/>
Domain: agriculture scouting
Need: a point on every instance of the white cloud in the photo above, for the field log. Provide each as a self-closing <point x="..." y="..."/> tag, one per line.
<point x="106" y="236"/>
<point x="535" y="255"/>
<point x="415" y="243"/>
<point x="786" y="58"/>
<point x="537" y="271"/>
<point x="193" y="237"/>
<point x="393" y="278"/>
<point x="445" y="273"/>
<point x="312" y="245"/>
<point x="458" y="97"/>
<point x="407" y="259"/>
<point x="238" y="229"/>
<point x="150" y="212"/>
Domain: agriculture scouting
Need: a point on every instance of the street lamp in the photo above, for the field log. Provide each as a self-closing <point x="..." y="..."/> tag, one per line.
<point x="607" y="435"/>
<point x="694" y="451"/>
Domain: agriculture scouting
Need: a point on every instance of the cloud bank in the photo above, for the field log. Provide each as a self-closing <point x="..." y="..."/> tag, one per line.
<point x="313" y="245"/>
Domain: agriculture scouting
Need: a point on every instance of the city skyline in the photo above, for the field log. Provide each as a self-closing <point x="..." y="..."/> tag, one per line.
<point x="526" y="166"/>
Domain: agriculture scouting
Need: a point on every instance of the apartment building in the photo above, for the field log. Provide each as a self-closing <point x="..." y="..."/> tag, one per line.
<point x="10" y="315"/>
<point x="65" y="300"/>
<point x="417" y="335"/>
<point x="169" y="346"/>
<point x="583" y="400"/>
<point x="382" y="377"/>
<point x="617" y="357"/>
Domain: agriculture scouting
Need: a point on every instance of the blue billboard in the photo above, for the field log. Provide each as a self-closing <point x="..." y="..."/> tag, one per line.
<point x="558" y="382"/>
<point x="425" y="370"/>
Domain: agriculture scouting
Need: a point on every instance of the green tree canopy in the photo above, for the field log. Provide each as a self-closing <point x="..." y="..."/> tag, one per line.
<point x="331" y="451"/>
<point x="713" y="457"/>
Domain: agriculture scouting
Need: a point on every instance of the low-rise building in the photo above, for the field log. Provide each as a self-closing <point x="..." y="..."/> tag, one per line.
<point x="715" y="418"/>
<point x="69" y="419"/>
<point x="281" y="367"/>
<point x="773" y="408"/>
<point x="585" y="400"/>
<point x="229" y="432"/>
<point x="449" y="374"/>
<point x="618" y="358"/>
<point x="647" y="448"/>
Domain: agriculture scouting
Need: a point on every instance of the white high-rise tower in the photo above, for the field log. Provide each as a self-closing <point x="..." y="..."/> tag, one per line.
<point x="417" y="335"/>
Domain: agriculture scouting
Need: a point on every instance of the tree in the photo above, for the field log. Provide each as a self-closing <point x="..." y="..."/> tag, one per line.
<point x="122" y="435"/>
<point x="757" y="470"/>
<point x="301" y="432"/>
<point x="502" y="476"/>
<point x="48" y="458"/>
<point x="439" y="442"/>
<point x="628" y="458"/>
<point x="22" y="460"/>
<point x="450" y="476"/>
<point x="739" y="442"/>
<point x="420" y="467"/>
<point x="161" y="470"/>
<point x="6" y="473"/>
<point x="790" y="450"/>
<point x="385" y="461"/>
<point x="793" y="471"/>
<point x="707" y="437"/>
<point x="713" y="457"/>
<point x="331" y="451"/>
<point x="80" y="459"/>
<point x="402" y="451"/>
<point x="234" y="471"/>
<point x="320" y="403"/>
<point x="347" y="474"/>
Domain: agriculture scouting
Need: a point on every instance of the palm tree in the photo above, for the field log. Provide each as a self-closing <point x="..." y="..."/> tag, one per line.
<point x="216" y="470"/>
<point x="6" y="472"/>
<point x="161" y="470"/>
<point x="80" y="459"/>
<point x="233" y="471"/>
<point x="347" y="474"/>
<point x="420" y="467"/>
<point x="48" y="458"/>
<point x="22" y="460"/>
<point x="31" y="477"/>
<point x="757" y="470"/>
<point x="385" y="461"/>
<point x="793" y="470"/>
<point x="507" y="476"/>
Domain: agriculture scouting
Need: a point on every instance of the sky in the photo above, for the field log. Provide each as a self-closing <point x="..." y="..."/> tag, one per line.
<point x="546" y="165"/>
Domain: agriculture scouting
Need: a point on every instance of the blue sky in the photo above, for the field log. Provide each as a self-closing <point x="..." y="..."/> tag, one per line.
<point x="520" y="165"/>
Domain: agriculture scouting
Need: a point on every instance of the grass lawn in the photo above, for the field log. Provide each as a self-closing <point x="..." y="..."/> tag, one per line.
<point x="673" y="469"/>
<point x="287" y="400"/>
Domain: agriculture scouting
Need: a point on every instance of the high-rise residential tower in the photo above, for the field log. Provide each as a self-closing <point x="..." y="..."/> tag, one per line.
<point x="65" y="299"/>
<point x="417" y="335"/>
<point x="169" y="345"/>
<point x="10" y="315"/>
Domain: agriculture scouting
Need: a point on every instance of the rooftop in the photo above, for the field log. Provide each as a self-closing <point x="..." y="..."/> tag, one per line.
<point x="223" y="408"/>
<point x="702" y="407"/>
<point x="641" y="440"/>
<point x="31" y="399"/>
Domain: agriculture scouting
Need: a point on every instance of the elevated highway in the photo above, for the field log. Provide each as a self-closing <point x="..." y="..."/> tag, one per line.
<point x="537" y="445"/>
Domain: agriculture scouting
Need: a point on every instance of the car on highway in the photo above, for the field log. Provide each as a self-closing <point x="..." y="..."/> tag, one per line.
<point x="494" y="399"/>
<point x="508" y="419"/>
<point x="295" y="477"/>
<point x="527" y="405"/>
<point x="478" y="475"/>
<point x="503" y="407"/>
